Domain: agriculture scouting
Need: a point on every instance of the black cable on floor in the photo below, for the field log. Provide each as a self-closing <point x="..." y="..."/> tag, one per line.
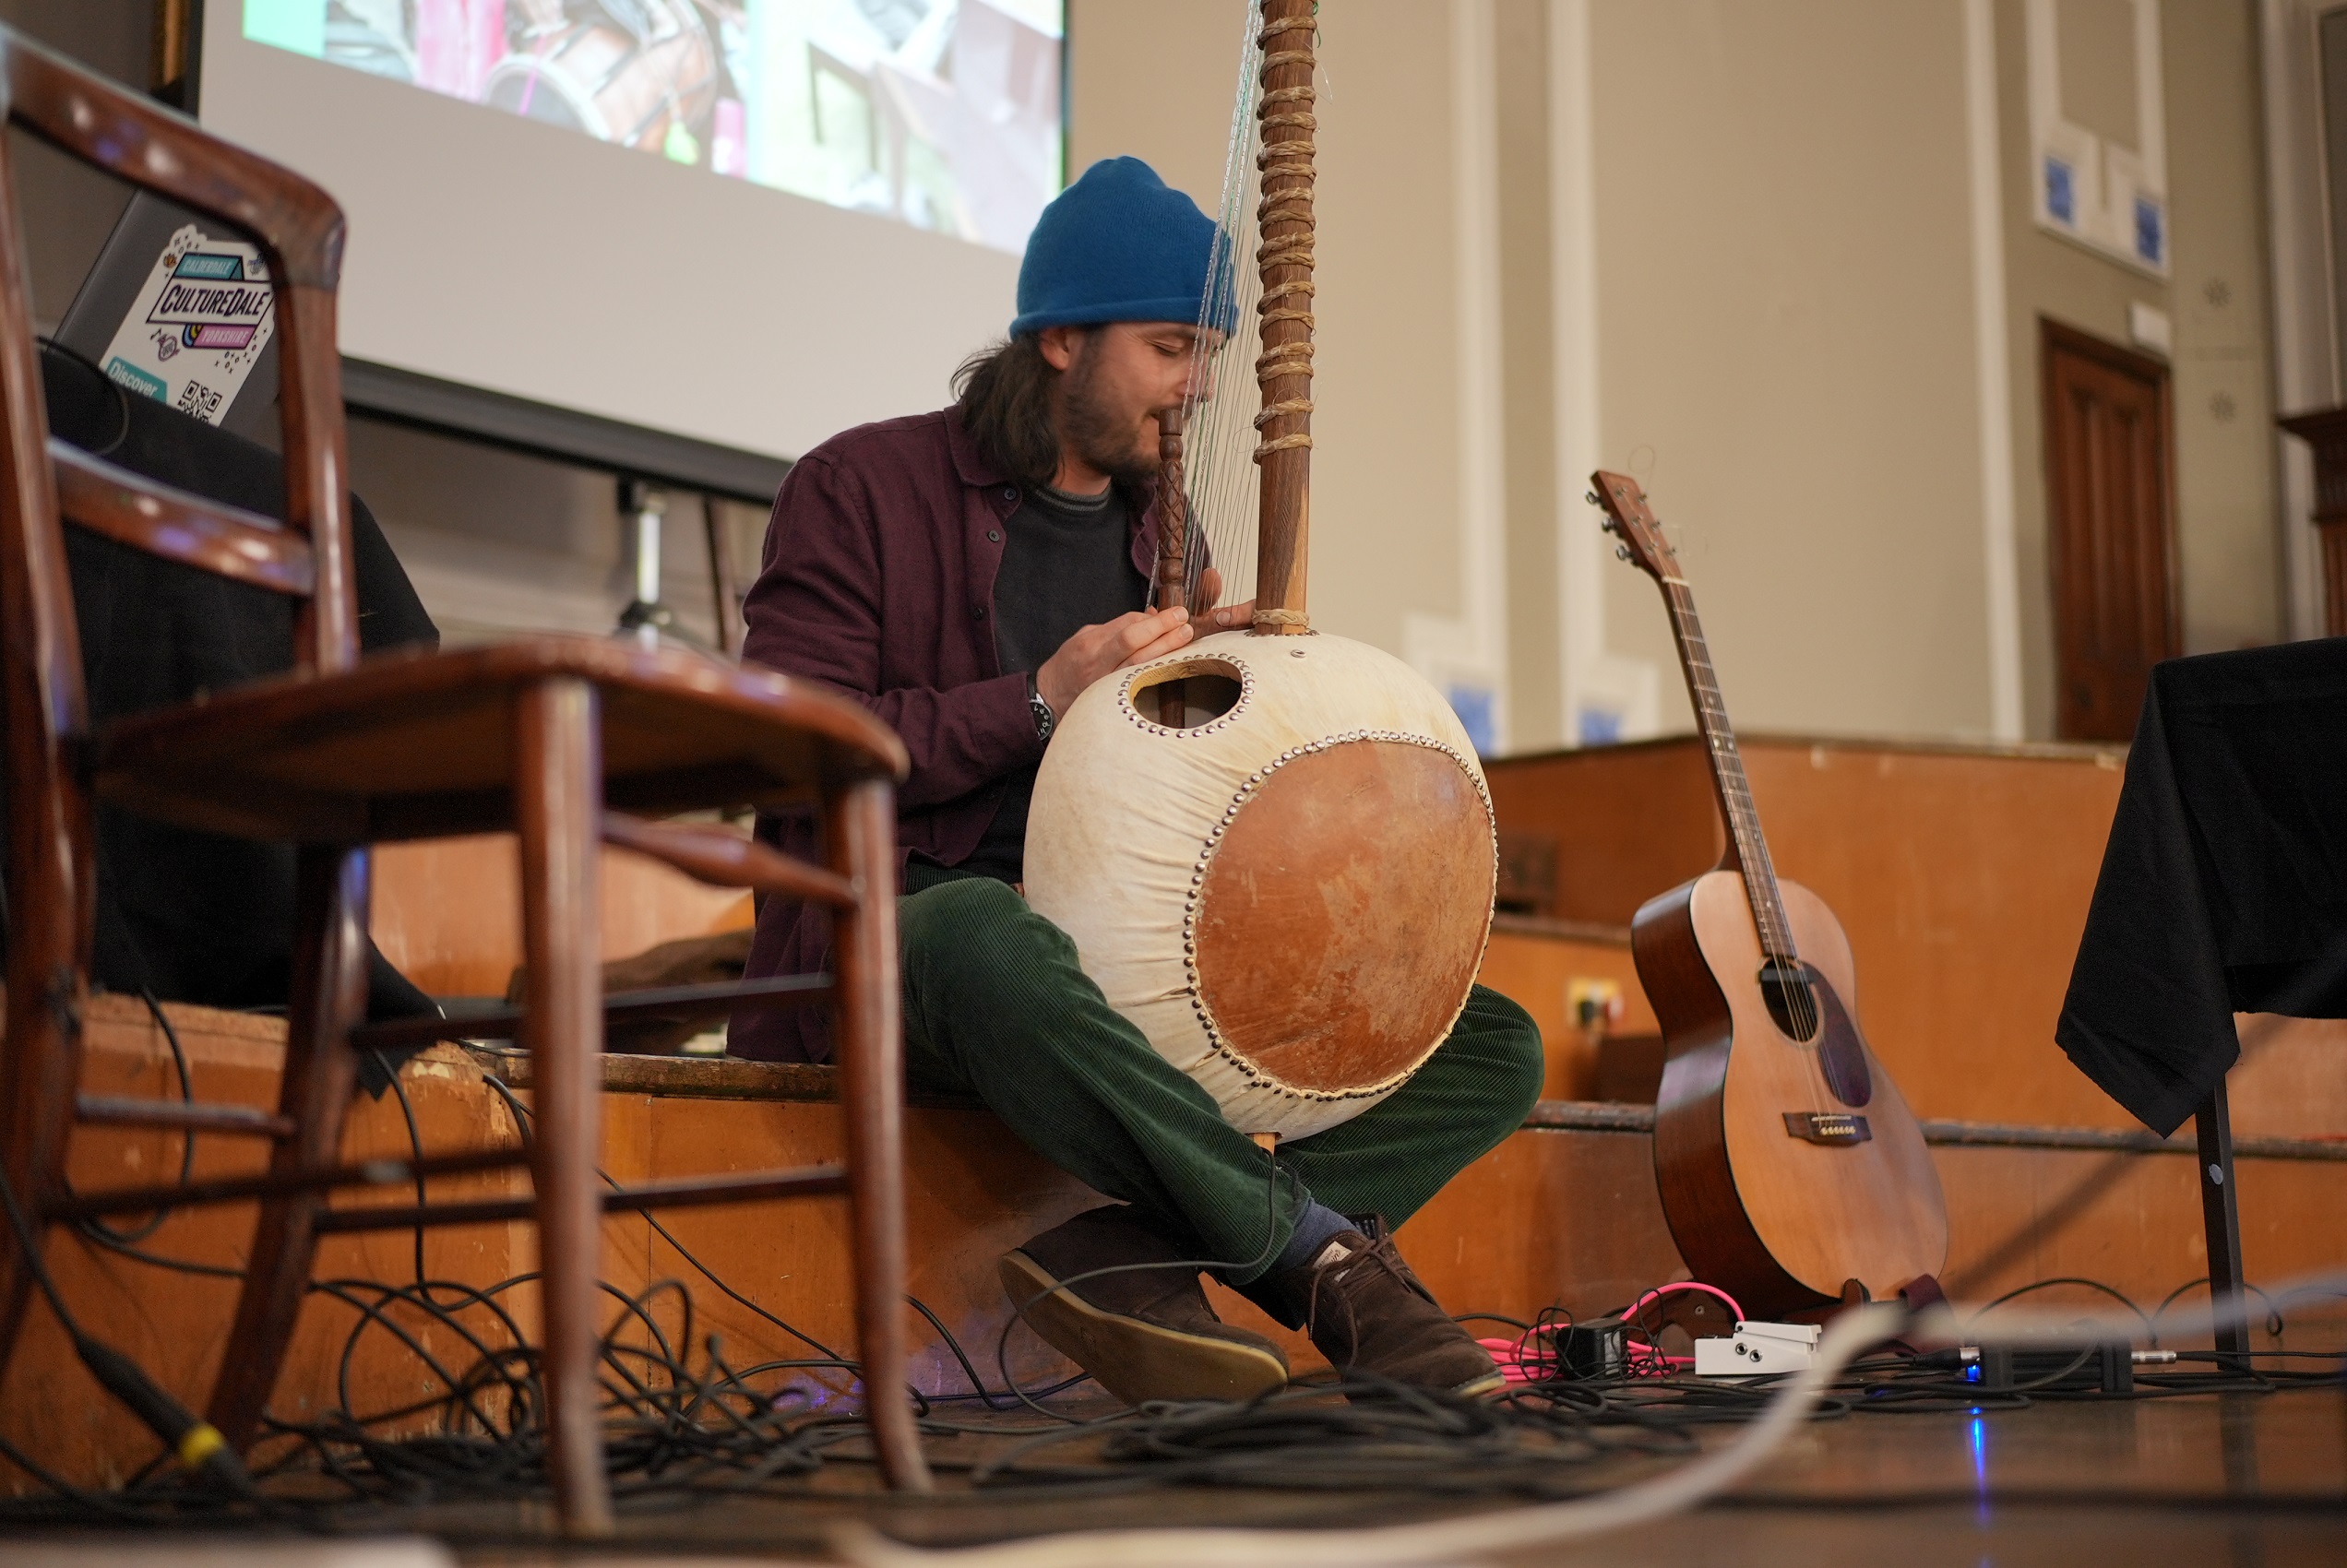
<point x="683" y="1422"/>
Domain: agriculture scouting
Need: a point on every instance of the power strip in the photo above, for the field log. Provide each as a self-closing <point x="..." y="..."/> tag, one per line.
<point x="1759" y="1350"/>
<point x="2088" y="1368"/>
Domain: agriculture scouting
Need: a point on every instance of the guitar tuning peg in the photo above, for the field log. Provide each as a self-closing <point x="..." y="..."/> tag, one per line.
<point x="1621" y="552"/>
<point x="1591" y="496"/>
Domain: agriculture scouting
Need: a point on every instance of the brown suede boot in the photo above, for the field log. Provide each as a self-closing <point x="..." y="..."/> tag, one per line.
<point x="1145" y="1334"/>
<point x="1367" y="1313"/>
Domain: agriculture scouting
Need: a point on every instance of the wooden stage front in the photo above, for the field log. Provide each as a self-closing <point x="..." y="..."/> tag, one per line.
<point x="1962" y="877"/>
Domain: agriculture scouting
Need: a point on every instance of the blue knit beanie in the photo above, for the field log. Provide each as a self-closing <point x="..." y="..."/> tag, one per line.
<point x="1119" y="245"/>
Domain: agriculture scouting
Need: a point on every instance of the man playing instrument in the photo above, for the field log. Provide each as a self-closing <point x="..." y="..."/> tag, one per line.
<point x="966" y="574"/>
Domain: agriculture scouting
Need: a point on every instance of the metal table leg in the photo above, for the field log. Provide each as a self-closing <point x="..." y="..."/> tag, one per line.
<point x="2220" y="1213"/>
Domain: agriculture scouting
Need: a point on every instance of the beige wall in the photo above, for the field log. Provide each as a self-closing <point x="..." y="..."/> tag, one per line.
<point x="2304" y="298"/>
<point x="1786" y="348"/>
<point x="1536" y="688"/>
<point x="2227" y="537"/>
<point x="1789" y="341"/>
<point x="2047" y="278"/>
<point x="1785" y="344"/>
<point x="1157" y="82"/>
<point x="2227" y="515"/>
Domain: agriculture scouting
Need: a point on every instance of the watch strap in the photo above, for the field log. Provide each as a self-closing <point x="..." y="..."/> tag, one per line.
<point x="1045" y="720"/>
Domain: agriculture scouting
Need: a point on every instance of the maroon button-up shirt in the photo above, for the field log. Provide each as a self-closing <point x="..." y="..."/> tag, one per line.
<point x="878" y="578"/>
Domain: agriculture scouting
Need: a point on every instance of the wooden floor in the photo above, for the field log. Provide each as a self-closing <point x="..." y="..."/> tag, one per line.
<point x="2022" y="1486"/>
<point x="2252" y="1481"/>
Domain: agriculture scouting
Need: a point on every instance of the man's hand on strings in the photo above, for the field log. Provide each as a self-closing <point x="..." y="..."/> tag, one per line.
<point x="1135" y="638"/>
<point x="1210" y="588"/>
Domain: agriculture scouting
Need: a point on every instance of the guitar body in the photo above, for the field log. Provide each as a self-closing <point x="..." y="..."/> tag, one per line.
<point x="1779" y="1221"/>
<point x="1790" y="1167"/>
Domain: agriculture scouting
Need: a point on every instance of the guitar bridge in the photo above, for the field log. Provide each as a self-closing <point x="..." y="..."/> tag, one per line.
<point x="1828" y="1127"/>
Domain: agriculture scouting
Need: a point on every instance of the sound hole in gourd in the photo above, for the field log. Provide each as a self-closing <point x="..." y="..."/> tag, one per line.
<point x="1342" y="914"/>
<point x="1202" y="691"/>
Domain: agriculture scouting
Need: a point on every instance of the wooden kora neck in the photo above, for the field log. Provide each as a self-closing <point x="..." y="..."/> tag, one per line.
<point x="1173" y="513"/>
<point x="1283" y="372"/>
<point x="1173" y="547"/>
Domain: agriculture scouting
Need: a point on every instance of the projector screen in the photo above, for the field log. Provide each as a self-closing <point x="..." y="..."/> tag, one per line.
<point x="750" y="222"/>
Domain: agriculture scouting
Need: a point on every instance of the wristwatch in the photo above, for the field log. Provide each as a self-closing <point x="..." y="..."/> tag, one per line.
<point x="1045" y="718"/>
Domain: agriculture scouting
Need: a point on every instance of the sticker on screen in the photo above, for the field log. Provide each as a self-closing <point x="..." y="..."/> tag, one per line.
<point x="941" y="114"/>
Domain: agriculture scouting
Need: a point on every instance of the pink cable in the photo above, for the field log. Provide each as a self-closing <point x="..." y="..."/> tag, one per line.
<point x="1513" y="1358"/>
<point x="1520" y="1363"/>
<point x="1735" y="1311"/>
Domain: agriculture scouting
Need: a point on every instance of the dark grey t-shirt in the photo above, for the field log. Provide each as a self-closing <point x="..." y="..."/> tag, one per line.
<point x="1067" y="565"/>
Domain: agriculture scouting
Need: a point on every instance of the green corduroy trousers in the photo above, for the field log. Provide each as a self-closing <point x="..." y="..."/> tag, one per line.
<point x="996" y="1007"/>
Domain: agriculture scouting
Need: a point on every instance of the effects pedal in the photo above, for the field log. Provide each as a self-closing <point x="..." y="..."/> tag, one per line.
<point x="1759" y="1350"/>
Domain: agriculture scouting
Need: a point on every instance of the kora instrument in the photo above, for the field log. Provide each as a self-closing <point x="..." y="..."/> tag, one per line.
<point x="1274" y="851"/>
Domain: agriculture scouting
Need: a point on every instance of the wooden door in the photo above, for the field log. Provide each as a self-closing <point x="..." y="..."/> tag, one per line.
<point x="2107" y="487"/>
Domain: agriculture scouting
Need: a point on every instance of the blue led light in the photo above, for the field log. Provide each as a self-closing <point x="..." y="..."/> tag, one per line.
<point x="1980" y="1467"/>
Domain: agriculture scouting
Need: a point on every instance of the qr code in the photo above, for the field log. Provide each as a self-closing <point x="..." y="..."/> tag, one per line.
<point x="200" y="401"/>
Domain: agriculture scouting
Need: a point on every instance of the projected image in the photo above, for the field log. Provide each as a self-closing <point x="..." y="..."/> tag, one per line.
<point x="941" y="114"/>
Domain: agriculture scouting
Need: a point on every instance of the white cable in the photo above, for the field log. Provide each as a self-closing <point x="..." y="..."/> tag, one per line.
<point x="1455" y="1540"/>
<point x="1437" y="1541"/>
<point x="2057" y="1328"/>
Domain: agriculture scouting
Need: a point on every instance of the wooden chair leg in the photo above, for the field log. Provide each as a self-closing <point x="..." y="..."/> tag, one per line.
<point x="40" y="1072"/>
<point x="860" y="842"/>
<point x="15" y="1269"/>
<point x="558" y="812"/>
<point x="49" y="918"/>
<point x="327" y="997"/>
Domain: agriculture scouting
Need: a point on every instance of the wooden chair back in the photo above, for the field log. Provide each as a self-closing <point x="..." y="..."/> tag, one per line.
<point x="545" y="699"/>
<point x="298" y="229"/>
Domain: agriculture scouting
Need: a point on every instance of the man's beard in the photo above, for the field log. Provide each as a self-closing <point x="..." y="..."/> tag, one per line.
<point x="1090" y="430"/>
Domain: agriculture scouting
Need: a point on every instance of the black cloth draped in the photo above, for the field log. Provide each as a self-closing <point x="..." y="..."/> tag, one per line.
<point x="2223" y="888"/>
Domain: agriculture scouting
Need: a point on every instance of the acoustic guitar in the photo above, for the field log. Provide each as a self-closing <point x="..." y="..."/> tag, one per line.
<point x="1793" y="1174"/>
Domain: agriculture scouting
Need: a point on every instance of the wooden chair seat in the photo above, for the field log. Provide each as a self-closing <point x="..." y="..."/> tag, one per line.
<point x="422" y="743"/>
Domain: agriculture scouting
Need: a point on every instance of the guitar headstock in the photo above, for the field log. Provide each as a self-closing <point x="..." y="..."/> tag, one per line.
<point x="1631" y="520"/>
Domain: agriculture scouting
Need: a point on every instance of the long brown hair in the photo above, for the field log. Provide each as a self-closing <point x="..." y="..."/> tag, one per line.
<point x="1004" y="395"/>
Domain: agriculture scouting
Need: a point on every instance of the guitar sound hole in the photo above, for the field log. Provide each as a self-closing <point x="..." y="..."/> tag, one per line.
<point x="1802" y="1003"/>
<point x="1792" y="1001"/>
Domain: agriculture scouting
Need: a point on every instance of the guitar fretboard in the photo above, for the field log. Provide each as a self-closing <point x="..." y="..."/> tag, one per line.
<point x="1727" y="773"/>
